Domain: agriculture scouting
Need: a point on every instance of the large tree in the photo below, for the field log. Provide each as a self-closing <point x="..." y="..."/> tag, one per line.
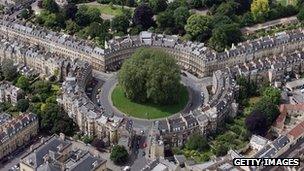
<point x="223" y="36"/>
<point x="197" y="142"/>
<point x="150" y="75"/>
<point x="199" y="27"/>
<point x="119" y="155"/>
<point x="23" y="105"/>
<point x="143" y="16"/>
<point x="120" y="23"/>
<point x="181" y="14"/>
<point x="158" y="5"/>
<point x="9" y="70"/>
<point x="165" y="20"/>
<point x="70" y="11"/>
<point x="256" y="122"/>
<point x="50" y="5"/>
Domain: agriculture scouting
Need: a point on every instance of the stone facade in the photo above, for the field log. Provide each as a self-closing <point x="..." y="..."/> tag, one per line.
<point x="17" y="132"/>
<point x="192" y="56"/>
<point x="10" y="93"/>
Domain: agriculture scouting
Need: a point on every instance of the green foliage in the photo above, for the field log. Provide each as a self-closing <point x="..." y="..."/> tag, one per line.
<point x="259" y="7"/>
<point x="272" y="94"/>
<point x="199" y="27"/>
<point x="25" y="13"/>
<point x="223" y="36"/>
<point x="41" y="87"/>
<point x="197" y="142"/>
<point x="165" y="20"/>
<point x="23" y="105"/>
<point x="119" y="155"/>
<point x="71" y="27"/>
<point x="181" y="14"/>
<point x="9" y="70"/>
<point x="23" y="83"/>
<point x="50" y="5"/>
<point x="86" y="15"/>
<point x="120" y="23"/>
<point x="158" y="5"/>
<point x="300" y="16"/>
<point x="87" y="139"/>
<point x="151" y="75"/>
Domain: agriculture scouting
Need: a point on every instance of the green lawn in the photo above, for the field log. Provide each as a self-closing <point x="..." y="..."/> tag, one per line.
<point x="147" y="110"/>
<point x="106" y="9"/>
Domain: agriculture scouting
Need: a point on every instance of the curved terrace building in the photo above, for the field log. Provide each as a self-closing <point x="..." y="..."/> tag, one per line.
<point x="191" y="56"/>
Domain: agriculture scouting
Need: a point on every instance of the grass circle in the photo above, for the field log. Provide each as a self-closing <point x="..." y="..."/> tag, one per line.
<point x="147" y="110"/>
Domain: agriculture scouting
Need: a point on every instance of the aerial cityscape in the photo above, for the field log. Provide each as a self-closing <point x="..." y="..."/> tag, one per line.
<point x="151" y="85"/>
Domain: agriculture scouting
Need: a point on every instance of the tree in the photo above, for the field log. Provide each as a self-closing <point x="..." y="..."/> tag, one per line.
<point x="70" y="11"/>
<point x="150" y="75"/>
<point x="9" y="70"/>
<point x="158" y="5"/>
<point x="198" y="27"/>
<point x="71" y="27"/>
<point x="181" y="14"/>
<point x="256" y="122"/>
<point x="244" y="5"/>
<point x="50" y="5"/>
<point x="247" y="19"/>
<point x="272" y="94"/>
<point x="165" y="20"/>
<point x="300" y="15"/>
<point x="221" y="150"/>
<point x="120" y="23"/>
<point x="23" y="83"/>
<point x="259" y="7"/>
<point x="86" y="15"/>
<point x="119" y="155"/>
<point x="223" y="36"/>
<point x="227" y="8"/>
<point x="143" y="16"/>
<point x="23" y="105"/>
<point x="25" y="14"/>
<point x="196" y="3"/>
<point x="269" y="109"/>
<point x="197" y="142"/>
<point x="41" y="87"/>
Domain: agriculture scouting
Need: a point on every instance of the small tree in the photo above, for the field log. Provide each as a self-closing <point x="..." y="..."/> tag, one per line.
<point x="197" y="142"/>
<point x="119" y="155"/>
<point x="23" y="83"/>
<point x="23" y="105"/>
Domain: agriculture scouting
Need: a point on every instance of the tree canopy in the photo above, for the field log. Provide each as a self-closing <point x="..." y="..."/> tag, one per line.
<point x="50" y="5"/>
<point x="256" y="122"/>
<point x="199" y="27"/>
<point x="150" y="75"/>
<point x="119" y="155"/>
<point x="23" y="83"/>
<point x="23" y="105"/>
<point x="143" y="16"/>
<point x="197" y="142"/>
<point x="9" y="70"/>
